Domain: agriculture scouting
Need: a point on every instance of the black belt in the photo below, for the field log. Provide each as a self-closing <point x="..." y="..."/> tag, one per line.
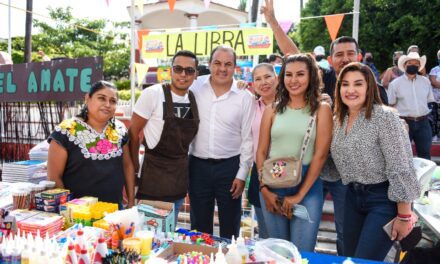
<point x="363" y="187"/>
<point x="214" y="160"/>
<point x="415" y="119"/>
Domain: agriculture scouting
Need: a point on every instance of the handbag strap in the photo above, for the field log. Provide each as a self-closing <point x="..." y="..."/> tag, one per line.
<point x="307" y="136"/>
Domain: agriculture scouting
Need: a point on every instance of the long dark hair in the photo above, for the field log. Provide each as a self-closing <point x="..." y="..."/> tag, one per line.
<point x="372" y="95"/>
<point x="312" y="92"/>
<point x="99" y="85"/>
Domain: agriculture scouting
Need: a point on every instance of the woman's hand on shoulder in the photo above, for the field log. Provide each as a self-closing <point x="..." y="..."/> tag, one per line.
<point x="325" y="98"/>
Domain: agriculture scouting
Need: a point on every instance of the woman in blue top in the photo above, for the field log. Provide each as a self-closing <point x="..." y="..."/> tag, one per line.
<point x="283" y="128"/>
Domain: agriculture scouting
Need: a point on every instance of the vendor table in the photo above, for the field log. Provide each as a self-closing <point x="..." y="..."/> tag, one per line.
<point x="317" y="258"/>
<point x="425" y="212"/>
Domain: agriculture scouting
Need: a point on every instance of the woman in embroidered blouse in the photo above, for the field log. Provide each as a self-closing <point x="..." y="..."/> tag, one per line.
<point x="283" y="127"/>
<point x="372" y="153"/>
<point x="89" y="154"/>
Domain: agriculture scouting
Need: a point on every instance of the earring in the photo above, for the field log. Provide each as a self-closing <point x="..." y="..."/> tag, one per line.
<point x="85" y="110"/>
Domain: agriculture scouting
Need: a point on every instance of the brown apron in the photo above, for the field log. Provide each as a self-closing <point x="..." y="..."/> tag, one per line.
<point x="164" y="175"/>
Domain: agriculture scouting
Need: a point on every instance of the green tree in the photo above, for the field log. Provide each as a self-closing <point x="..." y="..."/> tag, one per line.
<point x="73" y="38"/>
<point x="384" y="26"/>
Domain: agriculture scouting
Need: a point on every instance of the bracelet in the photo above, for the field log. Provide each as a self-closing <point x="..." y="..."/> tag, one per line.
<point x="404" y="215"/>
<point x="263" y="186"/>
<point x="403" y="219"/>
<point x="260" y="173"/>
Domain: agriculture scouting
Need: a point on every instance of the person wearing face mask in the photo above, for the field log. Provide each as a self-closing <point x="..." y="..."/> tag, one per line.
<point x="368" y="60"/>
<point x="434" y="74"/>
<point x="410" y="94"/>
<point x="392" y="72"/>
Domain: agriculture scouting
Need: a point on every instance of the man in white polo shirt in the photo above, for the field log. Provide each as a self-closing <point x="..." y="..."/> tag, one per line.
<point x="221" y="153"/>
<point x="410" y="94"/>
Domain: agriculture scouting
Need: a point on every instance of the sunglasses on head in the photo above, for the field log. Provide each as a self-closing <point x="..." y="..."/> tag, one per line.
<point x="188" y="70"/>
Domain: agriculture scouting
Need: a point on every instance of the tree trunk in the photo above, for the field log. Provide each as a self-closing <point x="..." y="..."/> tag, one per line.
<point x="28" y="34"/>
<point x="254" y="10"/>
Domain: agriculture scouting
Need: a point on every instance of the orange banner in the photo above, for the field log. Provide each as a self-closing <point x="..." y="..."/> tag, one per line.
<point x="140" y="34"/>
<point x="333" y="24"/>
<point x="171" y="4"/>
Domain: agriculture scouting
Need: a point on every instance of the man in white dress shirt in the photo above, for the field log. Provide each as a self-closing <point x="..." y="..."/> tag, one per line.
<point x="221" y="153"/>
<point x="410" y="94"/>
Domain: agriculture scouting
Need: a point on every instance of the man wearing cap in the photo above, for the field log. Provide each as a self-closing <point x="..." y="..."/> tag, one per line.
<point x="319" y="53"/>
<point x="410" y="94"/>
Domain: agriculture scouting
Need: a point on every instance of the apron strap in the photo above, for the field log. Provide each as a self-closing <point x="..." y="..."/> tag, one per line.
<point x="168" y="99"/>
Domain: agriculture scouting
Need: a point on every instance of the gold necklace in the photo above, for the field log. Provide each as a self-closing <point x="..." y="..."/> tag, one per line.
<point x="299" y="108"/>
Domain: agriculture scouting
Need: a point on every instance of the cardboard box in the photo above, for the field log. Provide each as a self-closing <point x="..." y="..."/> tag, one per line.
<point x="66" y="210"/>
<point x="158" y="215"/>
<point x="176" y="249"/>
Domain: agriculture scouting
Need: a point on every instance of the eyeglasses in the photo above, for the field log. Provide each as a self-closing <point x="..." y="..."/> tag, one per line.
<point x="188" y="70"/>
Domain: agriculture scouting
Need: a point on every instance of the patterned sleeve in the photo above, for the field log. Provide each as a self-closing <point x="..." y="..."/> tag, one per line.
<point x="59" y="137"/>
<point x="122" y="130"/>
<point x="396" y="148"/>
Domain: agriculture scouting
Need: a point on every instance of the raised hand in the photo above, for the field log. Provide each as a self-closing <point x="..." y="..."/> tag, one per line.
<point x="268" y="11"/>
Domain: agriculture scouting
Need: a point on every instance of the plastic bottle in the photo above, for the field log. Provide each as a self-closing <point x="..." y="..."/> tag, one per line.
<point x="101" y="251"/>
<point x="7" y="254"/>
<point x="33" y="256"/>
<point x="219" y="256"/>
<point x="242" y="249"/>
<point x="211" y="259"/>
<point x="15" y="255"/>
<point x="71" y="257"/>
<point x="84" y="257"/>
<point x="233" y="257"/>
<point x="79" y="240"/>
<point x="25" y="253"/>
<point x="43" y="258"/>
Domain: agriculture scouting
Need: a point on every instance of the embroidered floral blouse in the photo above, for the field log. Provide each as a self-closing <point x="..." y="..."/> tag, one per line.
<point x="94" y="163"/>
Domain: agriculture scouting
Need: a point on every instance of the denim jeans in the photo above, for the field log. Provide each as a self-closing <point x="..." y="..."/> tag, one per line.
<point x="262" y="230"/>
<point x="338" y="192"/>
<point x="300" y="232"/>
<point x="367" y="210"/>
<point x="421" y="133"/>
<point x="177" y="205"/>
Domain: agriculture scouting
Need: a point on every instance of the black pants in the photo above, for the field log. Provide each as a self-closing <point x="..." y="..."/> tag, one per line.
<point x="210" y="181"/>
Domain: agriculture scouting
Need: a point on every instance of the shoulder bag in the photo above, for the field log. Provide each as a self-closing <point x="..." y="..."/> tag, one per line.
<point x="284" y="172"/>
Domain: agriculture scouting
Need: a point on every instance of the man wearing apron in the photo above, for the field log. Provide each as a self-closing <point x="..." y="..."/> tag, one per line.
<point x="168" y="116"/>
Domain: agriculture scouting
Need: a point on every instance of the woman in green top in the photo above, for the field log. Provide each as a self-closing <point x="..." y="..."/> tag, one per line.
<point x="283" y="128"/>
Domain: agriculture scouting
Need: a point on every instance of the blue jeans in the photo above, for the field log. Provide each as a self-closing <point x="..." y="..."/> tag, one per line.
<point x="421" y="133"/>
<point x="300" y="232"/>
<point x="262" y="230"/>
<point x="338" y="192"/>
<point x="177" y="205"/>
<point x="367" y="210"/>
